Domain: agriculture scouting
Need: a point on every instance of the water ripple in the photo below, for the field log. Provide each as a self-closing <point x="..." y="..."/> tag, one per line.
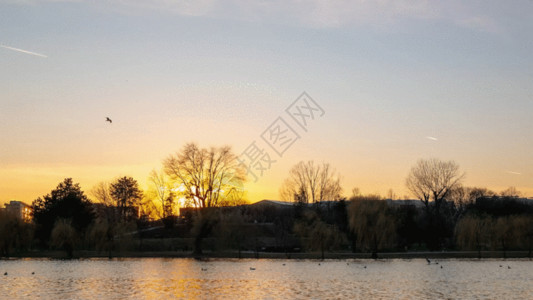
<point x="269" y="279"/>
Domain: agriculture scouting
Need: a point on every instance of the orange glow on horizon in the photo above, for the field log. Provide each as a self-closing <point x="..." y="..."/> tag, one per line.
<point x="27" y="184"/>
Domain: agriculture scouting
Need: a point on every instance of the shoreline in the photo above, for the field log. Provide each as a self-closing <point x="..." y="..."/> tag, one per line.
<point x="82" y="254"/>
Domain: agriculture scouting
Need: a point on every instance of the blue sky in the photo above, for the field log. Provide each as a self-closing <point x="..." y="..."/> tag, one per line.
<point x="388" y="74"/>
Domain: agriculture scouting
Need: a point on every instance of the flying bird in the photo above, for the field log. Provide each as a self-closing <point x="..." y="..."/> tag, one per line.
<point x="432" y="138"/>
<point x="107" y="119"/>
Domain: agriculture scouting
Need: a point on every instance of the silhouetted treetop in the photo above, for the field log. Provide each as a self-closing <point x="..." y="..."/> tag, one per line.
<point x="206" y="177"/>
<point x="67" y="201"/>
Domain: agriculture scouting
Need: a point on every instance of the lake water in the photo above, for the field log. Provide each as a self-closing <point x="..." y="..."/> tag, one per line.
<point x="156" y="278"/>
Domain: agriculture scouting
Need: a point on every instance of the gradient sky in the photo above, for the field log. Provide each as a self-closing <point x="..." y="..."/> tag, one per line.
<point x="389" y="74"/>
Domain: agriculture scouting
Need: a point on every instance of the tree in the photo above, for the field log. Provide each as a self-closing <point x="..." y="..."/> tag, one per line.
<point x="235" y="197"/>
<point x="162" y="197"/>
<point x="511" y="192"/>
<point x="391" y="195"/>
<point x="505" y="233"/>
<point x="317" y="234"/>
<point x="206" y="177"/>
<point x="370" y="219"/>
<point x="231" y="230"/>
<point x="64" y="236"/>
<point x="203" y="224"/>
<point x="310" y="183"/>
<point x="524" y="228"/>
<point x="67" y="201"/>
<point x="15" y="234"/>
<point x="356" y="192"/>
<point x="464" y="196"/>
<point x="110" y="231"/>
<point x="433" y="179"/>
<point x="110" y="236"/>
<point x="101" y="193"/>
<point x="126" y="196"/>
<point x="473" y="232"/>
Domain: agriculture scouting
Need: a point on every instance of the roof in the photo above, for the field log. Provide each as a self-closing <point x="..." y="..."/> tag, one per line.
<point x="16" y="202"/>
<point x="413" y="202"/>
<point x="272" y="202"/>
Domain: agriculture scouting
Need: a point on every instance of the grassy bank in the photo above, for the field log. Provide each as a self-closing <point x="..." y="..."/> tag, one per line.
<point x="274" y="255"/>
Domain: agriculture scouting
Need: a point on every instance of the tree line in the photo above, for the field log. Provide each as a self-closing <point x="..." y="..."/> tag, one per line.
<point x="207" y="183"/>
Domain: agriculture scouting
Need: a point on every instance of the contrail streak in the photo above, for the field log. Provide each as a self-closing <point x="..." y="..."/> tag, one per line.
<point x="515" y="173"/>
<point x="432" y="138"/>
<point x="24" y="51"/>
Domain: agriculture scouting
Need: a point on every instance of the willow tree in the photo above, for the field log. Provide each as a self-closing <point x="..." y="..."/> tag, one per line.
<point x="371" y="221"/>
<point x="474" y="233"/>
<point x="317" y="234"/>
<point x="311" y="183"/>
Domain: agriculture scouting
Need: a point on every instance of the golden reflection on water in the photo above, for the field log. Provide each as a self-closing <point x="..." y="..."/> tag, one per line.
<point x="270" y="279"/>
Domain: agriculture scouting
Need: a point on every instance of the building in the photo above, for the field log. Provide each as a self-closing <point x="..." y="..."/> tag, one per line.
<point x="415" y="203"/>
<point x="19" y="209"/>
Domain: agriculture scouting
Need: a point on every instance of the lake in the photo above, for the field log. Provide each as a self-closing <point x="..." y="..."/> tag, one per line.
<point x="158" y="278"/>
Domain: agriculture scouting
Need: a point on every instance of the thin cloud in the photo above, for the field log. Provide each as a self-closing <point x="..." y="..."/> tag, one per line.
<point x="24" y="51"/>
<point x="432" y="138"/>
<point x="479" y="16"/>
<point x="514" y="173"/>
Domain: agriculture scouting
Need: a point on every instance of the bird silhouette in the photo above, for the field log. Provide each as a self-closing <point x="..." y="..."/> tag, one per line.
<point x="32" y="273"/>
<point x="5" y="274"/>
<point x="508" y="267"/>
<point x="252" y="269"/>
<point x="429" y="261"/>
<point x="204" y="269"/>
<point x="107" y="119"/>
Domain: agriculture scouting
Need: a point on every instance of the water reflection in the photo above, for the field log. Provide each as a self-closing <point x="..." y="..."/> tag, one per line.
<point x="234" y="279"/>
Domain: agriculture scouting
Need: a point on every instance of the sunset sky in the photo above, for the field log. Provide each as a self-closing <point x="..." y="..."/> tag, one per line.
<point x="398" y="81"/>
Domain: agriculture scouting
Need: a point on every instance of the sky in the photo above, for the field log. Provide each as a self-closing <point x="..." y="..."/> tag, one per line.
<point x="398" y="81"/>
